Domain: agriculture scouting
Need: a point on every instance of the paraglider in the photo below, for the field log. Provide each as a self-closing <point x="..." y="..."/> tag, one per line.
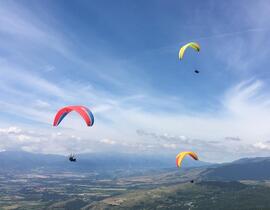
<point x="193" y="45"/>
<point x="72" y="158"/>
<point x="85" y="113"/>
<point x="182" y="155"/>
<point x="197" y="72"/>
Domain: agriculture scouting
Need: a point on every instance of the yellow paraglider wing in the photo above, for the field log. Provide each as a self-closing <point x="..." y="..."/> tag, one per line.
<point x="193" y="45"/>
<point x="182" y="155"/>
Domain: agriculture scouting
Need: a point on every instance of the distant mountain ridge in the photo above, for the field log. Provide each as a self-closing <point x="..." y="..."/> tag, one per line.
<point x="20" y="160"/>
<point x="257" y="168"/>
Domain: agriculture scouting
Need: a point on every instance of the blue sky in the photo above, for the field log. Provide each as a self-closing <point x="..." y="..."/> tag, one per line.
<point x="120" y="59"/>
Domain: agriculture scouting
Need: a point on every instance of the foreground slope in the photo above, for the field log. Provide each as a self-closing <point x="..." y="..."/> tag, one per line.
<point x="203" y="195"/>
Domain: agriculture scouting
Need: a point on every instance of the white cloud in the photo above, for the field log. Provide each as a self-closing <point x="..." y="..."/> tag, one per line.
<point x="23" y="138"/>
<point x="42" y="104"/>
<point x="170" y="146"/>
<point x="10" y="130"/>
<point x="164" y="136"/>
<point x="116" y="118"/>
<point x="262" y="146"/>
<point x="243" y="105"/>
<point x="49" y="68"/>
<point x="232" y="138"/>
<point x="107" y="141"/>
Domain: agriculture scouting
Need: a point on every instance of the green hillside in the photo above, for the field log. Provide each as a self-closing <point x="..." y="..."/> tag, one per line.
<point x="204" y="195"/>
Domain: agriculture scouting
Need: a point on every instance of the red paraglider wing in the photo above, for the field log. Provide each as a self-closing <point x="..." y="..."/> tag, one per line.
<point x="85" y="113"/>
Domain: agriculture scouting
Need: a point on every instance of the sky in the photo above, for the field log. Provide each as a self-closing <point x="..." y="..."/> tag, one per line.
<point x="120" y="59"/>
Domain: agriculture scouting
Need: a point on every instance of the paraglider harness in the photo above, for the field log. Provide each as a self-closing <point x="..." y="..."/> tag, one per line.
<point x="72" y="158"/>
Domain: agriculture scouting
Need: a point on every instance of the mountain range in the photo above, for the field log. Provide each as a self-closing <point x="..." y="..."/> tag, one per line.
<point x="243" y="169"/>
<point x="20" y="160"/>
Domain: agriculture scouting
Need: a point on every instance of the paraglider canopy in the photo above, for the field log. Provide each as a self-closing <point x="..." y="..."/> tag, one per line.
<point x="182" y="155"/>
<point x="193" y="45"/>
<point x="85" y="113"/>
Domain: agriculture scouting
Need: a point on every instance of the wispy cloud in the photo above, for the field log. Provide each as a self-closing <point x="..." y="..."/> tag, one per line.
<point x="207" y="133"/>
<point x="107" y="141"/>
<point x="232" y="138"/>
<point x="262" y="146"/>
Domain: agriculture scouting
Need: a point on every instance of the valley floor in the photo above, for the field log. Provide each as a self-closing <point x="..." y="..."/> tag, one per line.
<point x="152" y="190"/>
